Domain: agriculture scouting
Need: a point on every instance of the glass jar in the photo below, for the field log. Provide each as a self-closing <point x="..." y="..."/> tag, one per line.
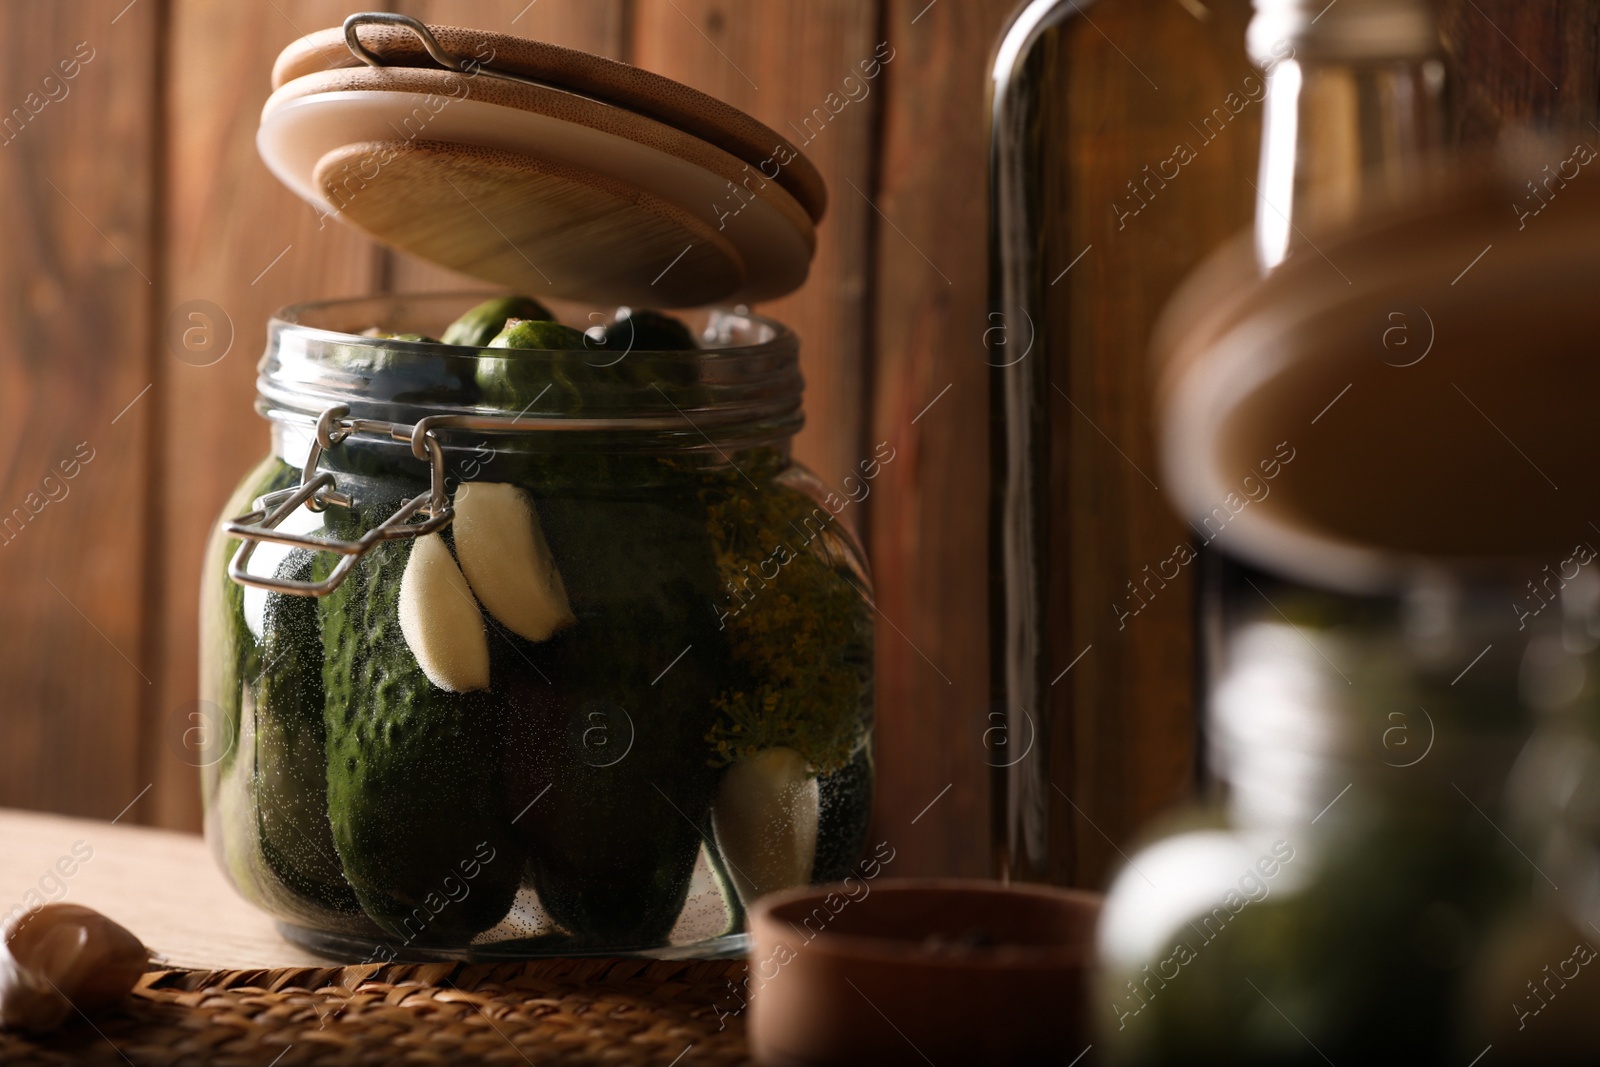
<point x="1376" y="879"/>
<point x="587" y="669"/>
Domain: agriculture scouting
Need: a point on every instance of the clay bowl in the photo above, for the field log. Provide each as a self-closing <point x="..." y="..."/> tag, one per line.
<point x="918" y="970"/>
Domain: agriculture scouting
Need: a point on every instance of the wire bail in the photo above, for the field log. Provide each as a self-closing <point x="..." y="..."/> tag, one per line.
<point x="318" y="489"/>
<point x="470" y="66"/>
<point x="390" y="18"/>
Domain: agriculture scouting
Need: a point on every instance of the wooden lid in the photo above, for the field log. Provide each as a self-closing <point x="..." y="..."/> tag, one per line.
<point x="313" y="116"/>
<point x="605" y="80"/>
<point x="591" y="234"/>
<point x="595" y="176"/>
<point x="1410" y="393"/>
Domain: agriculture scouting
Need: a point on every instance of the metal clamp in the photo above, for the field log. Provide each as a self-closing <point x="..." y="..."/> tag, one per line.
<point x="317" y="489"/>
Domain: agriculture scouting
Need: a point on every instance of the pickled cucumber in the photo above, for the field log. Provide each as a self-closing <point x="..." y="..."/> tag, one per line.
<point x="479" y="325"/>
<point x="611" y="856"/>
<point x="246" y="746"/>
<point x="240" y="658"/>
<point x="290" y="786"/>
<point x="539" y="334"/>
<point x="229" y="665"/>
<point x="415" y="337"/>
<point x="648" y="331"/>
<point x="414" y="778"/>
<point x="604" y="368"/>
<point x="515" y="382"/>
<point x="608" y="717"/>
<point x="846" y="812"/>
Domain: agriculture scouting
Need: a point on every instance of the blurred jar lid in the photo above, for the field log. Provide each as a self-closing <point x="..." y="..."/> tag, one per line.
<point x="538" y="167"/>
<point x="1416" y="390"/>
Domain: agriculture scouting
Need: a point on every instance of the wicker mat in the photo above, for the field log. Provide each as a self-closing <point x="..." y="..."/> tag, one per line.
<point x="569" y="1011"/>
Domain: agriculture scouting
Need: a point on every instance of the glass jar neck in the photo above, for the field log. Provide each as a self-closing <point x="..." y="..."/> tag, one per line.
<point x="739" y="389"/>
<point x="1355" y="107"/>
<point x="1403" y="701"/>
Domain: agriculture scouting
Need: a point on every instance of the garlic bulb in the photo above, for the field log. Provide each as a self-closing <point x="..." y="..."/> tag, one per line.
<point x="765" y="820"/>
<point x="64" y="956"/>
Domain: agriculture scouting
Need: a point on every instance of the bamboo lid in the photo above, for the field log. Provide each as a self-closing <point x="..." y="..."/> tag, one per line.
<point x="594" y="232"/>
<point x="1413" y="392"/>
<point x="604" y="80"/>
<point x="504" y="158"/>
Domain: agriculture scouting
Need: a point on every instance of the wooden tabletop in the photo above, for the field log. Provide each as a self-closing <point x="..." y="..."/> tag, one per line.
<point x="251" y="998"/>
<point x="164" y="886"/>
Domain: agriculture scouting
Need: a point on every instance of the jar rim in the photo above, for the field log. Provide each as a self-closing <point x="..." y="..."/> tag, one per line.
<point x="743" y="387"/>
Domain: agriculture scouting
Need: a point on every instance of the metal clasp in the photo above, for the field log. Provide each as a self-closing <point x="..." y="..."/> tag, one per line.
<point x="317" y="489"/>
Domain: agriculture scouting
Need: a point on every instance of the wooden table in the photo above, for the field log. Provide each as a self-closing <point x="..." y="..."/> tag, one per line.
<point x="230" y="991"/>
<point x="163" y="886"/>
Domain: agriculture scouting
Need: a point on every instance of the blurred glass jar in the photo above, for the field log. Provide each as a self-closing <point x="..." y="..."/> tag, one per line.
<point x="642" y="698"/>
<point x="1405" y="771"/>
<point x="1401" y="789"/>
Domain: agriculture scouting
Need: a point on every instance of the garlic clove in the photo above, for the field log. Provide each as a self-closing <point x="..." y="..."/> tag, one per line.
<point x="440" y="619"/>
<point x="765" y="820"/>
<point x="61" y="957"/>
<point x="505" y="556"/>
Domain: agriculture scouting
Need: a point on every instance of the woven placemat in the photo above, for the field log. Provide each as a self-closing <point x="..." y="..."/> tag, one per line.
<point x="567" y="1011"/>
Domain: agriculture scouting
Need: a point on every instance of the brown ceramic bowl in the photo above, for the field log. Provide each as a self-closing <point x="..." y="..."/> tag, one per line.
<point x="915" y="971"/>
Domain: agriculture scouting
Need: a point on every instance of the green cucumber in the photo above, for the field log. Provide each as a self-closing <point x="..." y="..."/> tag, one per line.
<point x="291" y="779"/>
<point x="240" y="655"/>
<point x="516" y="382"/>
<point x="538" y="334"/>
<point x="386" y="373"/>
<point x="414" y="779"/>
<point x="607" y="368"/>
<point x="233" y="663"/>
<point x="611" y="857"/>
<point x="612" y="838"/>
<point x="479" y="325"/>
<point x="229" y="663"/>
<point x="414" y="337"/>
<point x="846" y="810"/>
<point x="648" y="331"/>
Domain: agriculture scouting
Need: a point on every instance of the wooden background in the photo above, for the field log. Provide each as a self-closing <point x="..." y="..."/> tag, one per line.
<point x="139" y="190"/>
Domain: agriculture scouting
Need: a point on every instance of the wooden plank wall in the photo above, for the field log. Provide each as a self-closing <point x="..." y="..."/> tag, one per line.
<point x="930" y="399"/>
<point x="136" y="200"/>
<point x="77" y="280"/>
<point x="239" y="240"/>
